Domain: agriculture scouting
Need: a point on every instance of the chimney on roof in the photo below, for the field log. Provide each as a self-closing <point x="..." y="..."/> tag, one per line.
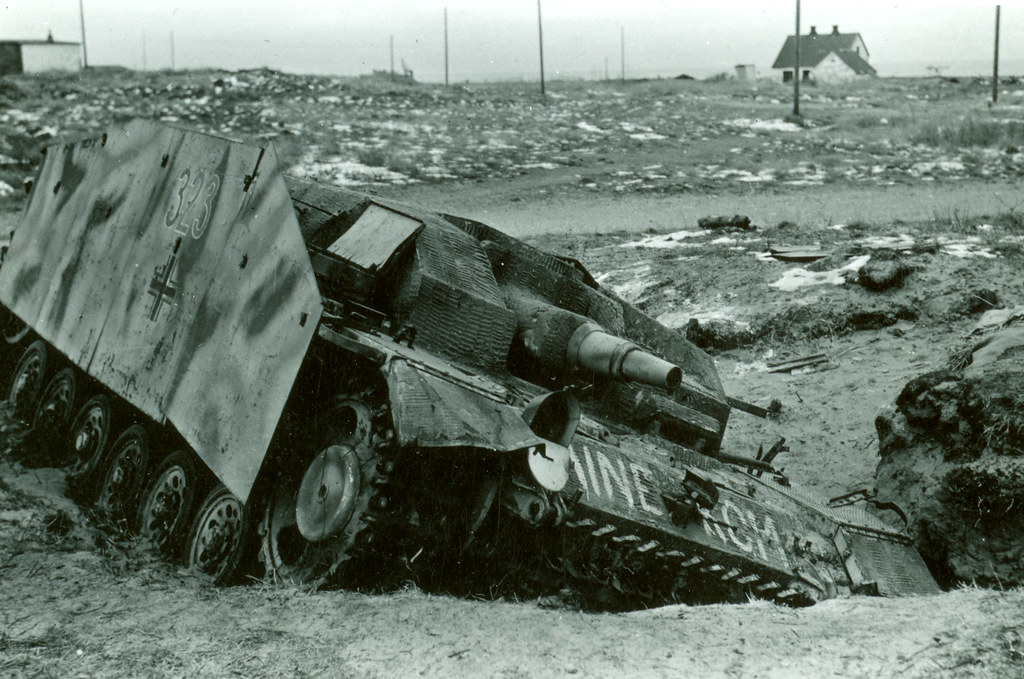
<point x="814" y="30"/>
<point x="835" y="29"/>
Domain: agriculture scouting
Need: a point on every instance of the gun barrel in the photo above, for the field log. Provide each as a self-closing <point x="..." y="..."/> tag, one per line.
<point x="592" y="348"/>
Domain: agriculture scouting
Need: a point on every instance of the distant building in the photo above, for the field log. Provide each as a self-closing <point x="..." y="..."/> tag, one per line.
<point x="38" y="56"/>
<point x="746" y="72"/>
<point x="835" y="57"/>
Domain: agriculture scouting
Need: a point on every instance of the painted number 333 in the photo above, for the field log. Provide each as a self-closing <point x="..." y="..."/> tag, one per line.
<point x="192" y="203"/>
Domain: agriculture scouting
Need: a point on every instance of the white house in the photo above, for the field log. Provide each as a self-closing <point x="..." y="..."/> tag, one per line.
<point x="39" y="56"/>
<point x="826" y="58"/>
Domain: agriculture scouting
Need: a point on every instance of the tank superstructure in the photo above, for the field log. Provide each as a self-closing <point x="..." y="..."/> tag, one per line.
<point x="355" y="389"/>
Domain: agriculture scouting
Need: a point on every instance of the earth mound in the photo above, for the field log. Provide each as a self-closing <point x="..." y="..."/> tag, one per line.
<point x="952" y="455"/>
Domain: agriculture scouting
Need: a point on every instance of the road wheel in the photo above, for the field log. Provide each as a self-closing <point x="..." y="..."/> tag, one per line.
<point x="27" y="379"/>
<point x="87" y="439"/>
<point x="168" y="502"/>
<point x="219" y="537"/>
<point x="53" y="412"/>
<point x="122" y="473"/>
<point x="49" y="421"/>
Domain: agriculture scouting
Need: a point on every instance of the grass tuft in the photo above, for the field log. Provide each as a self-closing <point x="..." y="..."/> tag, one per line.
<point x="970" y="132"/>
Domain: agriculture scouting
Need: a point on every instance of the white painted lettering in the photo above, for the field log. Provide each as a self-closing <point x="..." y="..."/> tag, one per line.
<point x="646" y="490"/>
<point x="609" y="473"/>
<point x="578" y="469"/>
<point x="730" y="529"/>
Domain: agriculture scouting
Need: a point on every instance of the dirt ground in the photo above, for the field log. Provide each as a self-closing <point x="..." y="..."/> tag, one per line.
<point x="78" y="600"/>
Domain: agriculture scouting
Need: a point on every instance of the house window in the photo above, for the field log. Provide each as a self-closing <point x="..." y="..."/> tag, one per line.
<point x="787" y="76"/>
<point x="807" y="75"/>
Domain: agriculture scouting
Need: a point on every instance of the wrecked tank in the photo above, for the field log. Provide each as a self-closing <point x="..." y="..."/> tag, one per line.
<point x="275" y="376"/>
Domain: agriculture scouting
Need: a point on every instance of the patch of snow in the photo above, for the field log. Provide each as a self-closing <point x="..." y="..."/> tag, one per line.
<point x="678" y="318"/>
<point x="5" y="189"/>
<point x="348" y="172"/>
<point x="900" y="242"/>
<point x="647" y="136"/>
<point x="665" y="240"/>
<point x="587" y="127"/>
<point x="800" y="277"/>
<point x="965" y="250"/>
<point x="759" y="125"/>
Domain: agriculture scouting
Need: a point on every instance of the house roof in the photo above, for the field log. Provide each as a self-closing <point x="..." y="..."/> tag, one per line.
<point x="43" y="42"/>
<point x="856" y="62"/>
<point x="814" y="47"/>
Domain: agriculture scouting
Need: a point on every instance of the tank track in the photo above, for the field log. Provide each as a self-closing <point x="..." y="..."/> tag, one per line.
<point x="588" y="563"/>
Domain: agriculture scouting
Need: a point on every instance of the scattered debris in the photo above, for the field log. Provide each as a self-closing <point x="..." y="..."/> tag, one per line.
<point x="750" y="408"/>
<point x="736" y="221"/>
<point x="797" y="253"/>
<point x="797" y="363"/>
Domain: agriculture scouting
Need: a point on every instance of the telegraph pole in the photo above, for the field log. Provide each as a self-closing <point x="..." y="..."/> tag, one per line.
<point x="796" y="65"/>
<point x="995" y="63"/>
<point x="540" y="35"/>
<point x="144" y="51"/>
<point x="85" y="52"/>
<point x="392" y="56"/>
<point x="172" y="50"/>
<point x="446" y="47"/>
<point x="622" y="54"/>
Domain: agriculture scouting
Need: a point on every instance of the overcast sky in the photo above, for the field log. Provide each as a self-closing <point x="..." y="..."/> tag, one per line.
<point x="498" y="38"/>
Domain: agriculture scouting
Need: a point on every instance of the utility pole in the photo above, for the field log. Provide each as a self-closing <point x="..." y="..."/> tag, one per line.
<point x="172" y="50"/>
<point x="622" y="54"/>
<point x="392" y="56"/>
<point x="81" y="16"/>
<point x="540" y="35"/>
<point x="995" y="63"/>
<point x="606" y="68"/>
<point x="446" y="47"/>
<point x="796" y="66"/>
<point x="143" y="50"/>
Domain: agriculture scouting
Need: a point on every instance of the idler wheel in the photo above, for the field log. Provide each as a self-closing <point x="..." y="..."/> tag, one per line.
<point x="328" y="493"/>
<point x="310" y="522"/>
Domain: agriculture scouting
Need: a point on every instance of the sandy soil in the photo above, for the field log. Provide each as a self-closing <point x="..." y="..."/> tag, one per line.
<point x="77" y="599"/>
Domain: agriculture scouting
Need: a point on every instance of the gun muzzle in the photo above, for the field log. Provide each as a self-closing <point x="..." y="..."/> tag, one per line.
<point x="592" y="348"/>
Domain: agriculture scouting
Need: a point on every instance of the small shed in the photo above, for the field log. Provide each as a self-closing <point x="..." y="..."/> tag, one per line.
<point x="39" y="56"/>
<point x="746" y="72"/>
<point x="825" y="57"/>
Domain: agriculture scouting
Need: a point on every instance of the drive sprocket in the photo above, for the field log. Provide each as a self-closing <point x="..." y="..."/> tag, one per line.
<point x="314" y="516"/>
